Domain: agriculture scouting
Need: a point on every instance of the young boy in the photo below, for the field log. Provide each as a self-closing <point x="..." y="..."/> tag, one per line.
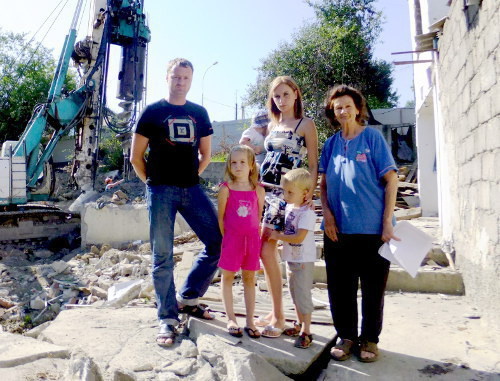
<point x="299" y="250"/>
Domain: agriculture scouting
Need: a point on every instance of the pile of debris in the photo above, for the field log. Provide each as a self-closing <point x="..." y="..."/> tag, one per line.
<point x="36" y="284"/>
<point x="34" y="287"/>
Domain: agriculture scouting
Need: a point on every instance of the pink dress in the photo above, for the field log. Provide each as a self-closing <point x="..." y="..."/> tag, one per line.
<point x="241" y="241"/>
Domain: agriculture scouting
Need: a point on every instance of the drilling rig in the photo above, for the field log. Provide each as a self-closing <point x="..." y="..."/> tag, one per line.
<point x="26" y="170"/>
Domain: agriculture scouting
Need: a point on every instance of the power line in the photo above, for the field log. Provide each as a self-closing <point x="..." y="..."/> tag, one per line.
<point x="221" y="104"/>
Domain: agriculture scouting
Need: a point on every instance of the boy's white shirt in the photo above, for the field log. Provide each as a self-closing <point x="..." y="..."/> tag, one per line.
<point x="295" y="219"/>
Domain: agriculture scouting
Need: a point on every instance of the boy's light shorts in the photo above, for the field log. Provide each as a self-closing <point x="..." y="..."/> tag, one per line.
<point x="300" y="281"/>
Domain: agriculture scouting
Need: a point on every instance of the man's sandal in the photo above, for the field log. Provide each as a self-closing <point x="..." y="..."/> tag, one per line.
<point x="166" y="336"/>
<point x="303" y="341"/>
<point x="294" y="331"/>
<point x="369" y="347"/>
<point x="196" y="311"/>
<point x="346" y="346"/>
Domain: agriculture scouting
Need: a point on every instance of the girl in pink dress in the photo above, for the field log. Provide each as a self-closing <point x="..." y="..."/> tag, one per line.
<point x="241" y="201"/>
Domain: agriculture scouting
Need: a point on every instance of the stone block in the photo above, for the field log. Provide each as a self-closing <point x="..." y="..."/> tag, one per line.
<point x="484" y="109"/>
<point x="464" y="176"/>
<point x="495" y="201"/>
<point x="428" y="280"/>
<point x="479" y="141"/>
<point x="489" y="168"/>
<point x="121" y="293"/>
<point x="320" y="272"/>
<point x="475" y="88"/>
<point x="465" y="96"/>
<point x="476" y="168"/>
<point x="468" y="147"/>
<point x="83" y="368"/>
<point x="489" y="223"/>
<point x="469" y="73"/>
<point x="488" y="72"/>
<point x="484" y="199"/>
<point x="98" y="291"/>
<point x="495" y="96"/>
<point x="492" y="131"/>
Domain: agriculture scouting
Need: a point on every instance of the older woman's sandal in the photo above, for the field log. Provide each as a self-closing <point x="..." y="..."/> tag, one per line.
<point x="369" y="347"/>
<point x="346" y="346"/>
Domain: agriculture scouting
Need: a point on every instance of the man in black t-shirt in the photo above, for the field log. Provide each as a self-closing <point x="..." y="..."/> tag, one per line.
<point x="178" y="134"/>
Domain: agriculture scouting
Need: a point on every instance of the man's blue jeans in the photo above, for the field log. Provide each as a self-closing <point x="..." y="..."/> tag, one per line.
<point x="164" y="201"/>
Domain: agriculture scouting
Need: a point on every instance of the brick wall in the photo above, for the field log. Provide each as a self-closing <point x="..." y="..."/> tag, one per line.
<point x="469" y="97"/>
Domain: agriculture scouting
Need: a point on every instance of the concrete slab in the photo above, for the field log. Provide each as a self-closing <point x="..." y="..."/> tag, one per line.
<point x="119" y="224"/>
<point x="279" y="352"/>
<point x="42" y="369"/>
<point x="18" y="350"/>
<point x="240" y="364"/>
<point x="114" y="338"/>
<point x="429" y="279"/>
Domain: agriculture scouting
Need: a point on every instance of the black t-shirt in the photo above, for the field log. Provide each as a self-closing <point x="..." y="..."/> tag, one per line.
<point x="174" y="134"/>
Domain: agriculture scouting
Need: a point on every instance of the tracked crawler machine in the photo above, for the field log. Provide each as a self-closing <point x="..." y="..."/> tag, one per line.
<point x="26" y="171"/>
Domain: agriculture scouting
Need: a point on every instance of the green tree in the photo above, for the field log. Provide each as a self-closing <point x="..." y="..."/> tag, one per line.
<point x="336" y="48"/>
<point x="26" y="72"/>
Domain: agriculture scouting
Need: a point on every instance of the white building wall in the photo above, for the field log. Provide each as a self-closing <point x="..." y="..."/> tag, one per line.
<point x="433" y="11"/>
<point x="426" y="142"/>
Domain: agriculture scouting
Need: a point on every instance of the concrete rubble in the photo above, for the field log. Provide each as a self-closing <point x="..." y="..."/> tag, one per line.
<point x="105" y="327"/>
<point x="89" y="314"/>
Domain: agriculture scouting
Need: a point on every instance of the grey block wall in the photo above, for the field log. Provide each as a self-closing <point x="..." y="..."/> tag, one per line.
<point x="469" y="84"/>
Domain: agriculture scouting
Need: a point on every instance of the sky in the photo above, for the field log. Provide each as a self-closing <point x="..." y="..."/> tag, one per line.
<point x="237" y="34"/>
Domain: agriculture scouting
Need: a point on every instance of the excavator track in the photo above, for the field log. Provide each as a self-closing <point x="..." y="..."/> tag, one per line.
<point x="36" y="223"/>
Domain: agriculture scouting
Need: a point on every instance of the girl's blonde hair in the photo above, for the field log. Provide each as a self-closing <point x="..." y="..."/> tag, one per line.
<point x="300" y="178"/>
<point x="274" y="112"/>
<point x="253" y="175"/>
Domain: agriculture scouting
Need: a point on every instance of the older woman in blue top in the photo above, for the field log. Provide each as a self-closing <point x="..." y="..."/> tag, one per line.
<point x="358" y="194"/>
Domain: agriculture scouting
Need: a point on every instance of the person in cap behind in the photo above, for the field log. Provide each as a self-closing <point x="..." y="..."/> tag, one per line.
<point x="255" y="135"/>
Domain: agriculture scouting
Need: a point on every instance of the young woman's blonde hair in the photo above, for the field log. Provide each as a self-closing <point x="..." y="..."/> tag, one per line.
<point x="253" y="175"/>
<point x="274" y="112"/>
<point x="300" y="178"/>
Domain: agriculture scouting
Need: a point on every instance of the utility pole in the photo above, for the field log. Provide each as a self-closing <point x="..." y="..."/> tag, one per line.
<point x="236" y="106"/>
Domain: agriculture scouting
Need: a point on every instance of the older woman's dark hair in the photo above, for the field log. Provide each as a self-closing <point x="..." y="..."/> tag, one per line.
<point x="357" y="97"/>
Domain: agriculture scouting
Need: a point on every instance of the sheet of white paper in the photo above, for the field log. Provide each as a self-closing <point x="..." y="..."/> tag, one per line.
<point x="410" y="251"/>
<point x="385" y="252"/>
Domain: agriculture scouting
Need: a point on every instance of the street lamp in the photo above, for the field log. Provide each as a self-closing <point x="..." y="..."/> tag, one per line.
<point x="203" y="80"/>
